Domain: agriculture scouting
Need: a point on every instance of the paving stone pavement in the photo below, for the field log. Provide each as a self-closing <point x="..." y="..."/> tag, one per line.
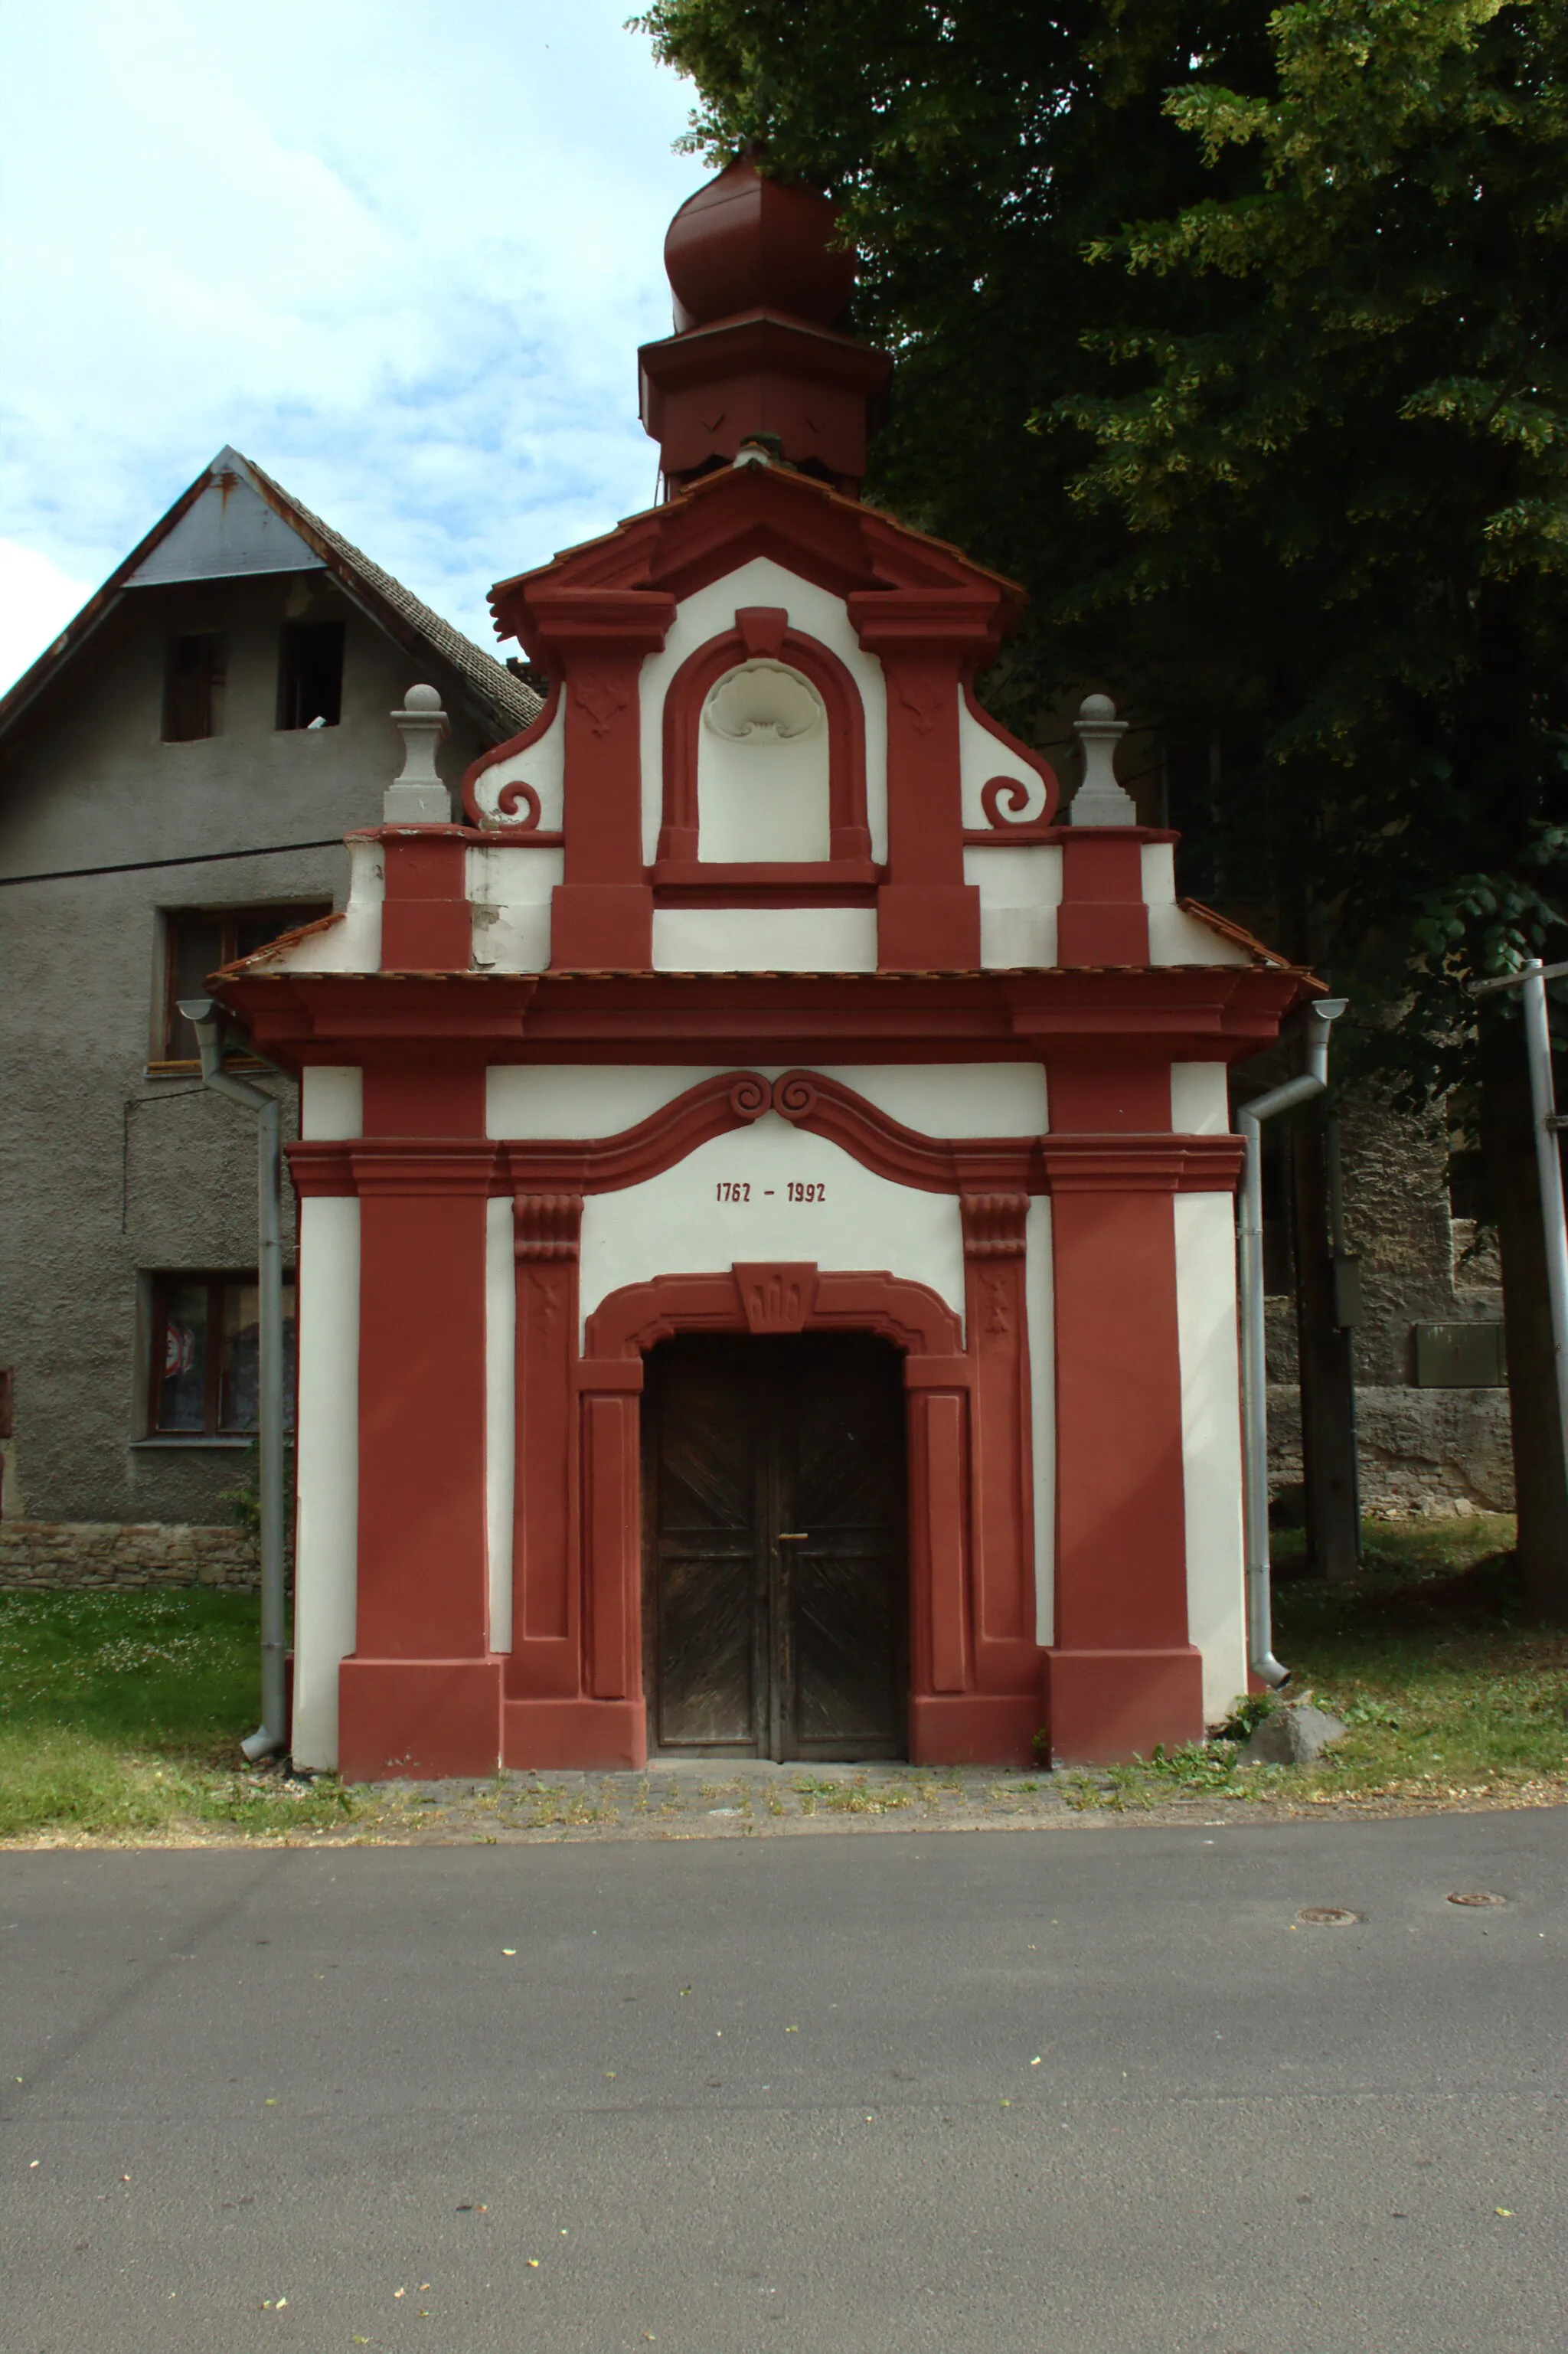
<point x="683" y="1799"/>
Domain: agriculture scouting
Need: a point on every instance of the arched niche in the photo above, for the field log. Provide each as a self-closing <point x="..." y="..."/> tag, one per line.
<point x="764" y="757"/>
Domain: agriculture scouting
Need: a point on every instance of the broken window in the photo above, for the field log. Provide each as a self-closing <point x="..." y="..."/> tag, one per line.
<point x="310" y="674"/>
<point x="204" y="1377"/>
<point x="194" y="672"/>
<point x="197" y="940"/>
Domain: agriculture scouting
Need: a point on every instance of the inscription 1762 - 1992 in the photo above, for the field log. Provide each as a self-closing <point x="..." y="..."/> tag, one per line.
<point x="731" y="1189"/>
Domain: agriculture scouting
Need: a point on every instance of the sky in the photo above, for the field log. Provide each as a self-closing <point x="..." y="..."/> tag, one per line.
<point x="400" y="253"/>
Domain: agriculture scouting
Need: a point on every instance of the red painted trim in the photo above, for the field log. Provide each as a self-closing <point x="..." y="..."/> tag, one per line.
<point x="426" y="918"/>
<point x="1086" y="1164"/>
<point x="603" y="1164"/>
<point x="401" y="1718"/>
<point x="532" y="734"/>
<point x="733" y="887"/>
<point x="997" y="794"/>
<point x="824" y="1107"/>
<point x="976" y="1167"/>
<point x="911" y="1315"/>
<point x="546" y="1617"/>
<point x="1187" y="1012"/>
<point x="763" y="631"/>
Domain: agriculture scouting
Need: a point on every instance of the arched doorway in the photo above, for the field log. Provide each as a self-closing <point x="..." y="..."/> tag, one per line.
<point x="775" y="1589"/>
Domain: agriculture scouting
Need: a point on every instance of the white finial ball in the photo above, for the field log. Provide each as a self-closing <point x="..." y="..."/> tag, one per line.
<point x="1096" y="706"/>
<point x="422" y="698"/>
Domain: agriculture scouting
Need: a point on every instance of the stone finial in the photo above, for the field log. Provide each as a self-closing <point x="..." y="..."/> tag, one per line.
<point x="1100" y="799"/>
<point x="417" y="796"/>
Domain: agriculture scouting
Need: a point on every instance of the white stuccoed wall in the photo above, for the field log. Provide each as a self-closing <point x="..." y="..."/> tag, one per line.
<point x="600" y="1099"/>
<point x="510" y="889"/>
<point x="676" y="1223"/>
<point x="326" y="1535"/>
<point x="1211" y="1442"/>
<point x="765" y="940"/>
<point x="542" y="764"/>
<point x="1021" y="889"/>
<point x="1175" y="937"/>
<point x="1200" y="1100"/>
<point x="982" y="756"/>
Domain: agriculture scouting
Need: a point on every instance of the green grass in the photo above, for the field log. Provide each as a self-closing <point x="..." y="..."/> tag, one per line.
<point x="1447" y="1692"/>
<point x="122" y="1715"/>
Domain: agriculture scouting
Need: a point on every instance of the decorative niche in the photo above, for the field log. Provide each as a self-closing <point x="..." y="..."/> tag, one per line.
<point x="763" y="785"/>
<point x="763" y="788"/>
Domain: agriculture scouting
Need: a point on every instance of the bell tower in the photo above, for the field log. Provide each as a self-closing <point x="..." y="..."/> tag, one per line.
<point x="760" y="288"/>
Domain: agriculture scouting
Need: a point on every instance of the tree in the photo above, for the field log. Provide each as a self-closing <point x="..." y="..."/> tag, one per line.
<point x="1241" y="336"/>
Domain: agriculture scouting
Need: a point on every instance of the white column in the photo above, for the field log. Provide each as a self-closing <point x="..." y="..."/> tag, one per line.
<point x="326" y="1536"/>
<point x="1211" y="1442"/>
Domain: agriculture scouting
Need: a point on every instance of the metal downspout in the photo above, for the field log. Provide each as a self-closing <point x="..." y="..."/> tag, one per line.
<point x="1531" y="982"/>
<point x="271" y="1735"/>
<point x="1320" y="1016"/>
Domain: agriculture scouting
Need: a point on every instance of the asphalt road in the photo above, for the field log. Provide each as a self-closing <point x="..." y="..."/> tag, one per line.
<point x="1086" y="2090"/>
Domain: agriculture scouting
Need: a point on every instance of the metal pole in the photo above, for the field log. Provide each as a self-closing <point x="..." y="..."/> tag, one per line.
<point x="1320" y="1016"/>
<point x="1531" y="982"/>
<point x="1549" y="1169"/>
<point x="272" y="1733"/>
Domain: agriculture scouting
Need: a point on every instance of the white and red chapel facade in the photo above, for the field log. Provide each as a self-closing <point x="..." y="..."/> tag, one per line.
<point x="766" y="1267"/>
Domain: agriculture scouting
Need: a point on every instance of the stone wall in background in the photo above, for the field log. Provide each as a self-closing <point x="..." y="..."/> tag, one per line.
<point x="58" y="1556"/>
<point x="1420" y="1451"/>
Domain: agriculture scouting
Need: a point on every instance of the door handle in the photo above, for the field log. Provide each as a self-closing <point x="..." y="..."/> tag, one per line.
<point x="794" y="1536"/>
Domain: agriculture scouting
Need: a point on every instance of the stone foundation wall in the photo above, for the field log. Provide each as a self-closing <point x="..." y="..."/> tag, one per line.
<point x="1419" y="1451"/>
<point x="63" y="1556"/>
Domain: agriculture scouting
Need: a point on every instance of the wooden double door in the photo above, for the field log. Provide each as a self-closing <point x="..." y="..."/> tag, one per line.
<point x="775" y="1589"/>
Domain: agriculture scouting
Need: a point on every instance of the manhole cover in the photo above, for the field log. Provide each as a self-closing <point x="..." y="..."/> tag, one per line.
<point x="1476" y="1896"/>
<point x="1325" y="1915"/>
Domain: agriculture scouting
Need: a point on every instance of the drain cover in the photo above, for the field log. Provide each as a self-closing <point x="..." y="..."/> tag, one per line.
<point x="1325" y="1915"/>
<point x="1476" y="1896"/>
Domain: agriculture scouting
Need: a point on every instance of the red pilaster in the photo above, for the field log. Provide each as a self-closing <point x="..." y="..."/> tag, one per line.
<point x="546" y="1634"/>
<point x="1120" y="1675"/>
<point x="996" y="1313"/>
<point x="1102" y="918"/>
<point x="602" y="913"/>
<point x="421" y="1693"/>
<point x="927" y="917"/>
<point x="426" y="918"/>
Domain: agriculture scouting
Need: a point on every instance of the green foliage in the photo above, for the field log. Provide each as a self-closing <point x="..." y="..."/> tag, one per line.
<point x="1238" y="334"/>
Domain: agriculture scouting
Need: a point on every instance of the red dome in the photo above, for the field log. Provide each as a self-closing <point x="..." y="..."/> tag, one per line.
<point x="744" y="243"/>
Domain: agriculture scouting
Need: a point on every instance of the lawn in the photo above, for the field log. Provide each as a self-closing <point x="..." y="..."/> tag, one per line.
<point x="122" y="1713"/>
<point x="1447" y="1695"/>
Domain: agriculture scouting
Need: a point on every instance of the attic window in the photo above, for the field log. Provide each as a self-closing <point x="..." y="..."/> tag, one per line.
<point x="310" y="674"/>
<point x="193" y="671"/>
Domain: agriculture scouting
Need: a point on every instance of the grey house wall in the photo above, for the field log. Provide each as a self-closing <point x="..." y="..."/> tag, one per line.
<point x="109" y="1174"/>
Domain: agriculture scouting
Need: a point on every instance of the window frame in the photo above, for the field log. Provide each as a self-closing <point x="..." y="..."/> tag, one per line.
<point x="290" y="683"/>
<point x="162" y="1062"/>
<point x="218" y="1282"/>
<point x="216" y="676"/>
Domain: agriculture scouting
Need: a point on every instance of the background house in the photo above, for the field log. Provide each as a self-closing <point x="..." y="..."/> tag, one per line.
<point x="176" y="775"/>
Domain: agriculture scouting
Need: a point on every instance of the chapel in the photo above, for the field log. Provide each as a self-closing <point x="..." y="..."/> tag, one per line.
<point x="767" y="1280"/>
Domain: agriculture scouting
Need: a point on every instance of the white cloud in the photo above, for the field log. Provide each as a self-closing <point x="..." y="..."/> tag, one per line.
<point x="401" y="253"/>
<point x="37" y="601"/>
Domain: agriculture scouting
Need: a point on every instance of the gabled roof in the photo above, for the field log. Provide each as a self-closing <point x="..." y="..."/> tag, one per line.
<point x="759" y="506"/>
<point x="235" y="522"/>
